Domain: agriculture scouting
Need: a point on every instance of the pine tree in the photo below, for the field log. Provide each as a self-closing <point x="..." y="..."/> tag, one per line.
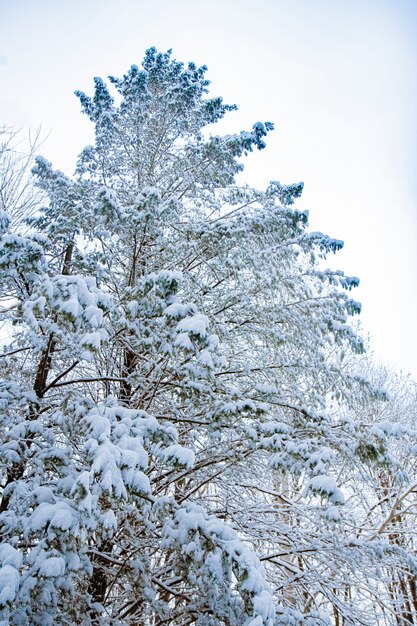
<point x="173" y="349"/>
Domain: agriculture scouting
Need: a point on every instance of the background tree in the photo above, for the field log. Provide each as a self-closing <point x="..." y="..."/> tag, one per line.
<point x="19" y="198"/>
<point x="355" y="562"/>
<point x="172" y="379"/>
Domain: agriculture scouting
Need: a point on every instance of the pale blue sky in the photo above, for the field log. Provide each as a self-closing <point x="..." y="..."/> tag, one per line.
<point x="338" y="78"/>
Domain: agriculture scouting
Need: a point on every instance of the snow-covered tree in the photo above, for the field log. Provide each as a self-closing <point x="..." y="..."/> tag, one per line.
<point x="172" y="361"/>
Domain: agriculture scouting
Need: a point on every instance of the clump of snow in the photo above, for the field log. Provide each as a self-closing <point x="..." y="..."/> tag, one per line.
<point x="179" y="455"/>
<point x="195" y="325"/>
<point x="59" y="515"/>
<point x="326" y="486"/>
<point x="52" y="567"/>
<point x="179" y="310"/>
<point x="183" y="341"/>
<point x="10" y="556"/>
<point x="382" y="429"/>
<point x="9" y="584"/>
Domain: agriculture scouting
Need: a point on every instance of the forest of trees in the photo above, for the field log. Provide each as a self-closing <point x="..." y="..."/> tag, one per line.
<point x="191" y="432"/>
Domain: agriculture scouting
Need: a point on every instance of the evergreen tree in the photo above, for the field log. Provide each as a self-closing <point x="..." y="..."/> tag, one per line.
<point x="173" y="351"/>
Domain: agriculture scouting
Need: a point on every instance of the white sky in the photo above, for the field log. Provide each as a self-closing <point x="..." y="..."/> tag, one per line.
<point x="338" y="78"/>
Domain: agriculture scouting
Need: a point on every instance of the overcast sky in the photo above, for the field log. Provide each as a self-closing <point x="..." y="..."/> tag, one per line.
<point x="338" y="78"/>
